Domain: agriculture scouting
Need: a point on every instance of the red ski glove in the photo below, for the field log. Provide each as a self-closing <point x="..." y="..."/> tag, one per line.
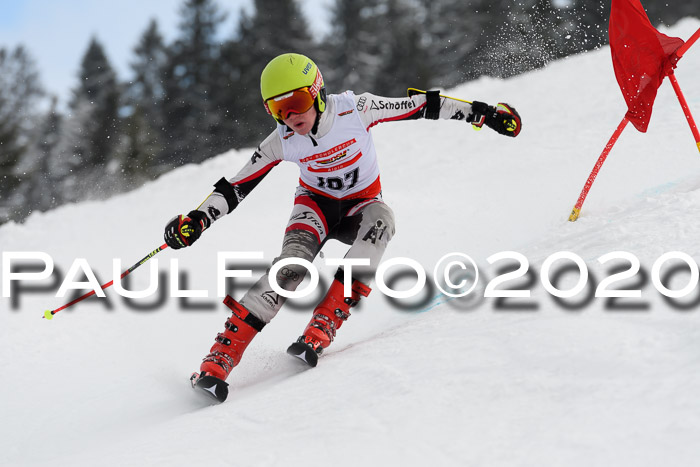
<point x="183" y="231"/>
<point x="503" y="118"/>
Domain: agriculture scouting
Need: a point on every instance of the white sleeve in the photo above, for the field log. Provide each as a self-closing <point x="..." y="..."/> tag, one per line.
<point x="377" y="109"/>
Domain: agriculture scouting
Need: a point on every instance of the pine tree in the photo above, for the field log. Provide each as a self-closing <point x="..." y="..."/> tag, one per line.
<point x="96" y="103"/>
<point x="351" y="49"/>
<point x="404" y="57"/>
<point x="191" y="120"/>
<point x="69" y="161"/>
<point x="275" y="27"/>
<point x="41" y="190"/>
<point x="139" y="149"/>
<point x="19" y="91"/>
<point x="90" y="139"/>
<point x="144" y="98"/>
<point x="227" y="92"/>
<point x="457" y="32"/>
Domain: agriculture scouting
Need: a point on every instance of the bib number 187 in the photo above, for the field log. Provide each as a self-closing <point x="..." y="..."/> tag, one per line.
<point x="339" y="183"/>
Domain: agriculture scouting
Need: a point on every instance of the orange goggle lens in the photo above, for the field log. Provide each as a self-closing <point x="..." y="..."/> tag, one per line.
<point x="297" y="102"/>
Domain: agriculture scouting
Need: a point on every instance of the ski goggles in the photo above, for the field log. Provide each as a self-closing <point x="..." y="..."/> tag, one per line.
<point x="295" y="102"/>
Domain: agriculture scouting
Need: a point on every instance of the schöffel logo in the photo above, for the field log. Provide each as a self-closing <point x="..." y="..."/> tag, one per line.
<point x="401" y="105"/>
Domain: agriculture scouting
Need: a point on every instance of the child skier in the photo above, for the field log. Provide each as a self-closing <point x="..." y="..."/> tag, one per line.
<point x="338" y="197"/>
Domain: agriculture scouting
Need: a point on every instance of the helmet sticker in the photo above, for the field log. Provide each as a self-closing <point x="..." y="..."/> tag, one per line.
<point x="316" y="86"/>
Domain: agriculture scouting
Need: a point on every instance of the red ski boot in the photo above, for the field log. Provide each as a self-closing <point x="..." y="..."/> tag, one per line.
<point x="328" y="316"/>
<point x="226" y="353"/>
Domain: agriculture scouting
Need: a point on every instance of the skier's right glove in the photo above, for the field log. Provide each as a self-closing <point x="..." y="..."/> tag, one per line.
<point x="183" y="231"/>
<point x="503" y="118"/>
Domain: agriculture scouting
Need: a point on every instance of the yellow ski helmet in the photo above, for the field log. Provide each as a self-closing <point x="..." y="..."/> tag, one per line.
<point x="289" y="72"/>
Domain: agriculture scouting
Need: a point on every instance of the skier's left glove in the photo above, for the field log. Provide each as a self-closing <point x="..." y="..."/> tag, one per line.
<point x="183" y="231"/>
<point x="503" y="118"/>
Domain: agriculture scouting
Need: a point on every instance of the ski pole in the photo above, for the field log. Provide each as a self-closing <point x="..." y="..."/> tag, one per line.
<point x="48" y="314"/>
<point x="414" y="91"/>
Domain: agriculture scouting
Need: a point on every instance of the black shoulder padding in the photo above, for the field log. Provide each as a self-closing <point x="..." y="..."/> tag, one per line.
<point x="224" y="187"/>
<point x="432" y="105"/>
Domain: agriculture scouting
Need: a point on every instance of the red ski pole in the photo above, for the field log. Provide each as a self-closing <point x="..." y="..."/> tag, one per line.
<point x="594" y="173"/>
<point x="48" y="314"/>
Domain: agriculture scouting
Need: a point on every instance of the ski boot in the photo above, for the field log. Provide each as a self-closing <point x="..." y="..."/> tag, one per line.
<point x="328" y="316"/>
<point x="226" y="353"/>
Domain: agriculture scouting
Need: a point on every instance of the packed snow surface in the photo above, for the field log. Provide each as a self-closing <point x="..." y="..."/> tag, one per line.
<point x="528" y="381"/>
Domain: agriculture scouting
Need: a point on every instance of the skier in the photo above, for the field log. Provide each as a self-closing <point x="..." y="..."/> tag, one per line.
<point x="338" y="197"/>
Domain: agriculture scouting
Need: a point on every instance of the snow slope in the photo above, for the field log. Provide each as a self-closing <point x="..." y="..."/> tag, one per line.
<point x="453" y="383"/>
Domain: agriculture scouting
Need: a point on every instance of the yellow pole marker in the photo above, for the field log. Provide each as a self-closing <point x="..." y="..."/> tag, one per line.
<point x="48" y="314"/>
<point x="574" y="214"/>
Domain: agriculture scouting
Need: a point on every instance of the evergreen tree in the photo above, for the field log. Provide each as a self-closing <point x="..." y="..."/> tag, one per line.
<point x="89" y="148"/>
<point x="144" y="99"/>
<point x="275" y="27"/>
<point x="228" y="91"/>
<point x="191" y="120"/>
<point x="99" y="87"/>
<point x="457" y="31"/>
<point x="19" y="92"/>
<point x="41" y="190"/>
<point x="95" y="103"/>
<point x="69" y="161"/>
<point x="139" y="150"/>
<point x="403" y="54"/>
<point x="351" y="49"/>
